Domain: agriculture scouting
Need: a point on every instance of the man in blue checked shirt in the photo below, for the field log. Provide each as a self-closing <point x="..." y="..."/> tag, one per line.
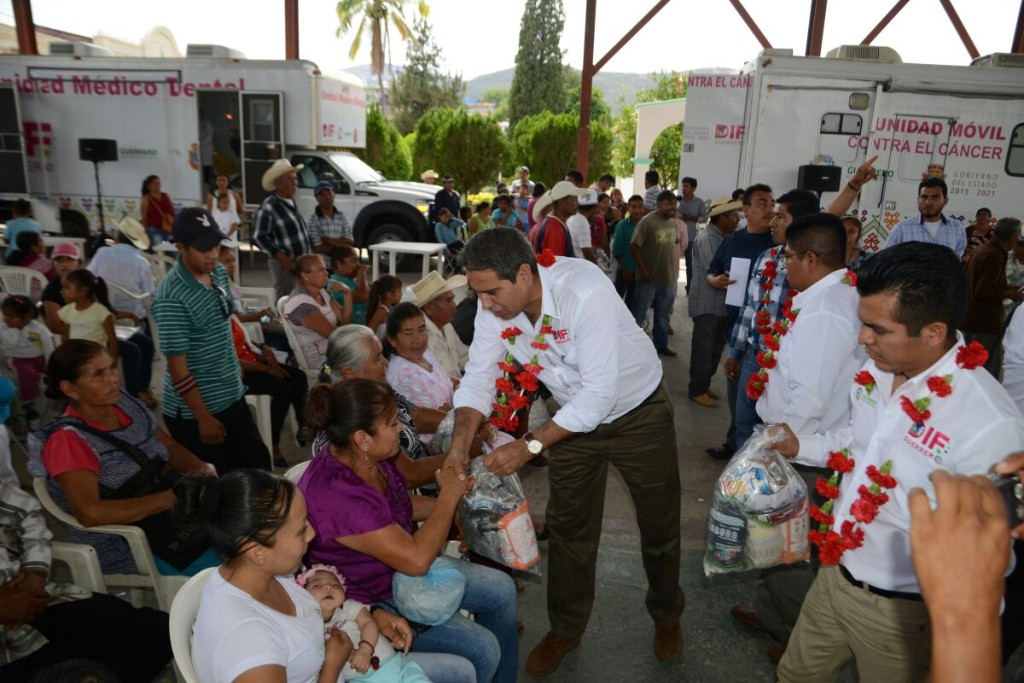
<point x="930" y="225"/>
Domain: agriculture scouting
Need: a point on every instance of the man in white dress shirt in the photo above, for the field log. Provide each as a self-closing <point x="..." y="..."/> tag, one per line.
<point x="615" y="409"/>
<point x="808" y="386"/>
<point x="436" y="298"/>
<point x="917" y="404"/>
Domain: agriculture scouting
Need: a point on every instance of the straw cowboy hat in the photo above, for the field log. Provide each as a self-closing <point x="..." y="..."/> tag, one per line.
<point x="561" y="190"/>
<point x="723" y="205"/>
<point x="433" y="286"/>
<point x="131" y="228"/>
<point x="280" y="167"/>
<point x="430" y="173"/>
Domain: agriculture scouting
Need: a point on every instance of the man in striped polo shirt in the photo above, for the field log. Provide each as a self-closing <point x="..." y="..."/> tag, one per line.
<point x="203" y="403"/>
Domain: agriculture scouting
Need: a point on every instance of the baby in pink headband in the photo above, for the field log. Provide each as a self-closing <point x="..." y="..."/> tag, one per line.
<point x="374" y="657"/>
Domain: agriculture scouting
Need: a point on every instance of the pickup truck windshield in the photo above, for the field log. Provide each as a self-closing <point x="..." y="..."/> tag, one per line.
<point x="356" y="169"/>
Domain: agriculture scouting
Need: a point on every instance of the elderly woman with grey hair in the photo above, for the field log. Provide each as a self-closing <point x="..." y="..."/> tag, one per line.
<point x="354" y="351"/>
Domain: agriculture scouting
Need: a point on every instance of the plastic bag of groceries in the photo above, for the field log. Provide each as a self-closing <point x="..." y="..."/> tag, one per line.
<point x="441" y="442"/>
<point x="758" y="515"/>
<point x="496" y="522"/>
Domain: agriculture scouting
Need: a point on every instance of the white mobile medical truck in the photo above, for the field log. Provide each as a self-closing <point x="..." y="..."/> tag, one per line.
<point x="810" y="122"/>
<point x="172" y="117"/>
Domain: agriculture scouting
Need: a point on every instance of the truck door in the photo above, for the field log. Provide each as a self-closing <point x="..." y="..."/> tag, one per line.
<point x="12" y="155"/>
<point x="262" y="139"/>
<point x="914" y="145"/>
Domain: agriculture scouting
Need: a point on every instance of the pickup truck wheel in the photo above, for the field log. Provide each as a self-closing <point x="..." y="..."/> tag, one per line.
<point x="390" y="232"/>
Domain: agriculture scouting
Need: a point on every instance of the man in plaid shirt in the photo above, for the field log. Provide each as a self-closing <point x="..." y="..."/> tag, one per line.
<point x="279" y="229"/>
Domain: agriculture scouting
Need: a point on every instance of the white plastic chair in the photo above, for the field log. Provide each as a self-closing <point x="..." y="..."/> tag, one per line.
<point x="260" y="404"/>
<point x="147" y="304"/>
<point x="15" y="280"/>
<point x="293" y="342"/>
<point x="183" y="616"/>
<point x="83" y="562"/>
<point x="148" y="577"/>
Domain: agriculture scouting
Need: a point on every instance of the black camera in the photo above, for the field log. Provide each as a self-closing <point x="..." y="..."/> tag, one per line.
<point x="1011" y="490"/>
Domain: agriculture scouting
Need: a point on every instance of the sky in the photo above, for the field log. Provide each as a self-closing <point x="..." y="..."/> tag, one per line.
<point x="481" y="36"/>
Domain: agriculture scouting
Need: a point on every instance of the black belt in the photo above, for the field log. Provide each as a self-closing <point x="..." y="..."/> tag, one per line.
<point x="899" y="595"/>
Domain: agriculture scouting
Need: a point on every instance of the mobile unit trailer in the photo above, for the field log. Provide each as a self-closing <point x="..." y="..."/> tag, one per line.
<point x="810" y="122"/>
<point x="183" y="119"/>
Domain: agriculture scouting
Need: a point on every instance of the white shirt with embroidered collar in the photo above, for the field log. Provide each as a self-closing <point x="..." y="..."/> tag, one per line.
<point x="816" y="359"/>
<point x="598" y="365"/>
<point x="449" y="350"/>
<point x="969" y="431"/>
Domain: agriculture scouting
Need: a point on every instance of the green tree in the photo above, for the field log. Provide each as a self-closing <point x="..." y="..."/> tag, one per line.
<point x="538" y="84"/>
<point x="546" y="143"/>
<point x="599" y="109"/>
<point x="385" y="149"/>
<point x="428" y="149"/>
<point x="498" y="97"/>
<point x="375" y="20"/>
<point x="475" y="149"/>
<point x="665" y="151"/>
<point x="421" y="86"/>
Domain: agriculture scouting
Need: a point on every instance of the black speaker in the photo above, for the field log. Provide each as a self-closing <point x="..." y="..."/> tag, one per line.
<point x="819" y="178"/>
<point x="95" y="149"/>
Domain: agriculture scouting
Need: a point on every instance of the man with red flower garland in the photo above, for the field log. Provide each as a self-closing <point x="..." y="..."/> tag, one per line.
<point x="919" y="404"/>
<point x="561" y="320"/>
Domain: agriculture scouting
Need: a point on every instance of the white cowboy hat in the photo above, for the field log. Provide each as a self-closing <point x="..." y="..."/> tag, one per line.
<point x="723" y="205"/>
<point x="131" y="228"/>
<point x="280" y="167"/>
<point x="561" y="190"/>
<point x="429" y="173"/>
<point x="432" y="286"/>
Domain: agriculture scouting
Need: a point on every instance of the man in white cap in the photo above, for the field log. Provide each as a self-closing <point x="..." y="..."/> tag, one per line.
<point x="436" y="298"/>
<point x="553" y="232"/>
<point x="579" y="226"/>
<point x="279" y="229"/>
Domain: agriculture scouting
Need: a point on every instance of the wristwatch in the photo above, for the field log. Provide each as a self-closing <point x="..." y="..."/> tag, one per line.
<point x="532" y="444"/>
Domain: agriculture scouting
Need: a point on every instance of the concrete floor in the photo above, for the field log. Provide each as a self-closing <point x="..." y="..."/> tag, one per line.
<point x="617" y="645"/>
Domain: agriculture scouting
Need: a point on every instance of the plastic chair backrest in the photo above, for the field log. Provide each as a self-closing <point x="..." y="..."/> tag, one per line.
<point x="183" y="615"/>
<point x="293" y="341"/>
<point x="15" y="280"/>
<point x="295" y="472"/>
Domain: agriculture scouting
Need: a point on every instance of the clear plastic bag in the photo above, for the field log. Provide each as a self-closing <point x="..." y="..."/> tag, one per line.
<point x="496" y="522"/>
<point x="758" y="515"/>
<point x="441" y="442"/>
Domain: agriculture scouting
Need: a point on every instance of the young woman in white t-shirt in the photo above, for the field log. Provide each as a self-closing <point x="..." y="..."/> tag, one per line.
<point x="252" y="624"/>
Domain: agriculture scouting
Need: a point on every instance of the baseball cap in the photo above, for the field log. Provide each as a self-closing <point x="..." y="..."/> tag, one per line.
<point x="588" y="198"/>
<point x="66" y="249"/>
<point x="321" y="186"/>
<point x="196" y="227"/>
<point x="447" y="177"/>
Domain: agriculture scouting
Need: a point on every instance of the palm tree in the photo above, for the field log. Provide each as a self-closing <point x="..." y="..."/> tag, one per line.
<point x="375" y="17"/>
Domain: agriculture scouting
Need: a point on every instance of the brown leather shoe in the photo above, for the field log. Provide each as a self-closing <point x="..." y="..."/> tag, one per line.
<point x="746" y="616"/>
<point x="776" y="651"/>
<point x="668" y="641"/>
<point x="548" y="653"/>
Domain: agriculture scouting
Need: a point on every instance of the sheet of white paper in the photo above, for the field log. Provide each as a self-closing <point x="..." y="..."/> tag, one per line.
<point x="738" y="270"/>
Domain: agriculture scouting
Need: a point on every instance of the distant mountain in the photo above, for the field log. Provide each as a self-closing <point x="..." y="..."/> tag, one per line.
<point x="614" y="86"/>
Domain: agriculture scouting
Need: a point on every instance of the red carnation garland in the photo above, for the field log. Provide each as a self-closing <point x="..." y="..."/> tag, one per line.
<point x="546" y="258"/>
<point x="514" y="387"/>
<point x="767" y="360"/>
<point x="870" y="499"/>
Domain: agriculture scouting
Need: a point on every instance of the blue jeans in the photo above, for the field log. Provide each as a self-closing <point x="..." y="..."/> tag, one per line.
<point x="491" y="642"/>
<point x="661" y="297"/>
<point x="156" y="236"/>
<point x="746" y="410"/>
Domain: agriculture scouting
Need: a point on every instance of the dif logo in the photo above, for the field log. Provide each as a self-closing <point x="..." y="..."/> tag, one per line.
<point x="929" y="440"/>
<point x="726" y="132"/>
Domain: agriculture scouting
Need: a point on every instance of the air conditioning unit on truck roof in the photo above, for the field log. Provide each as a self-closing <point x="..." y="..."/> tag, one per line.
<point x="865" y="53"/>
<point x="79" y="50"/>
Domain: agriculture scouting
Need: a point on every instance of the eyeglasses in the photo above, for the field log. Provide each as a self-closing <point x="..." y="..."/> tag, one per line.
<point x="786" y="258"/>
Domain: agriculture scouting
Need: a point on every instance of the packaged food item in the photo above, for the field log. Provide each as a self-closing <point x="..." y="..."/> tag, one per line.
<point x="758" y="515"/>
<point x="496" y="522"/>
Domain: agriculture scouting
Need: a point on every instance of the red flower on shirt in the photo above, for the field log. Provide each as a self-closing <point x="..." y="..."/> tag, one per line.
<point x="940" y="386"/>
<point x="971" y="356"/>
<point x="917" y="411"/>
<point x="546" y="258"/>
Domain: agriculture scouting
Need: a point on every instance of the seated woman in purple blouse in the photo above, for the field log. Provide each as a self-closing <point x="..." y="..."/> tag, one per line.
<point x="363" y="517"/>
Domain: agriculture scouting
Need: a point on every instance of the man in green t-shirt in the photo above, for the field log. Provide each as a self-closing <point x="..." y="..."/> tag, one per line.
<point x="348" y="270"/>
<point x="203" y="403"/>
<point x="653" y="248"/>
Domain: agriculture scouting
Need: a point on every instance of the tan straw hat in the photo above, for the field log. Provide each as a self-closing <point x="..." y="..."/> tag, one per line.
<point x="433" y="286"/>
<point x="280" y="167"/>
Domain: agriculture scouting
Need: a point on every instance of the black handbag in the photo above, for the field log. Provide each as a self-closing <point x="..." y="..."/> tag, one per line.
<point x="177" y="544"/>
